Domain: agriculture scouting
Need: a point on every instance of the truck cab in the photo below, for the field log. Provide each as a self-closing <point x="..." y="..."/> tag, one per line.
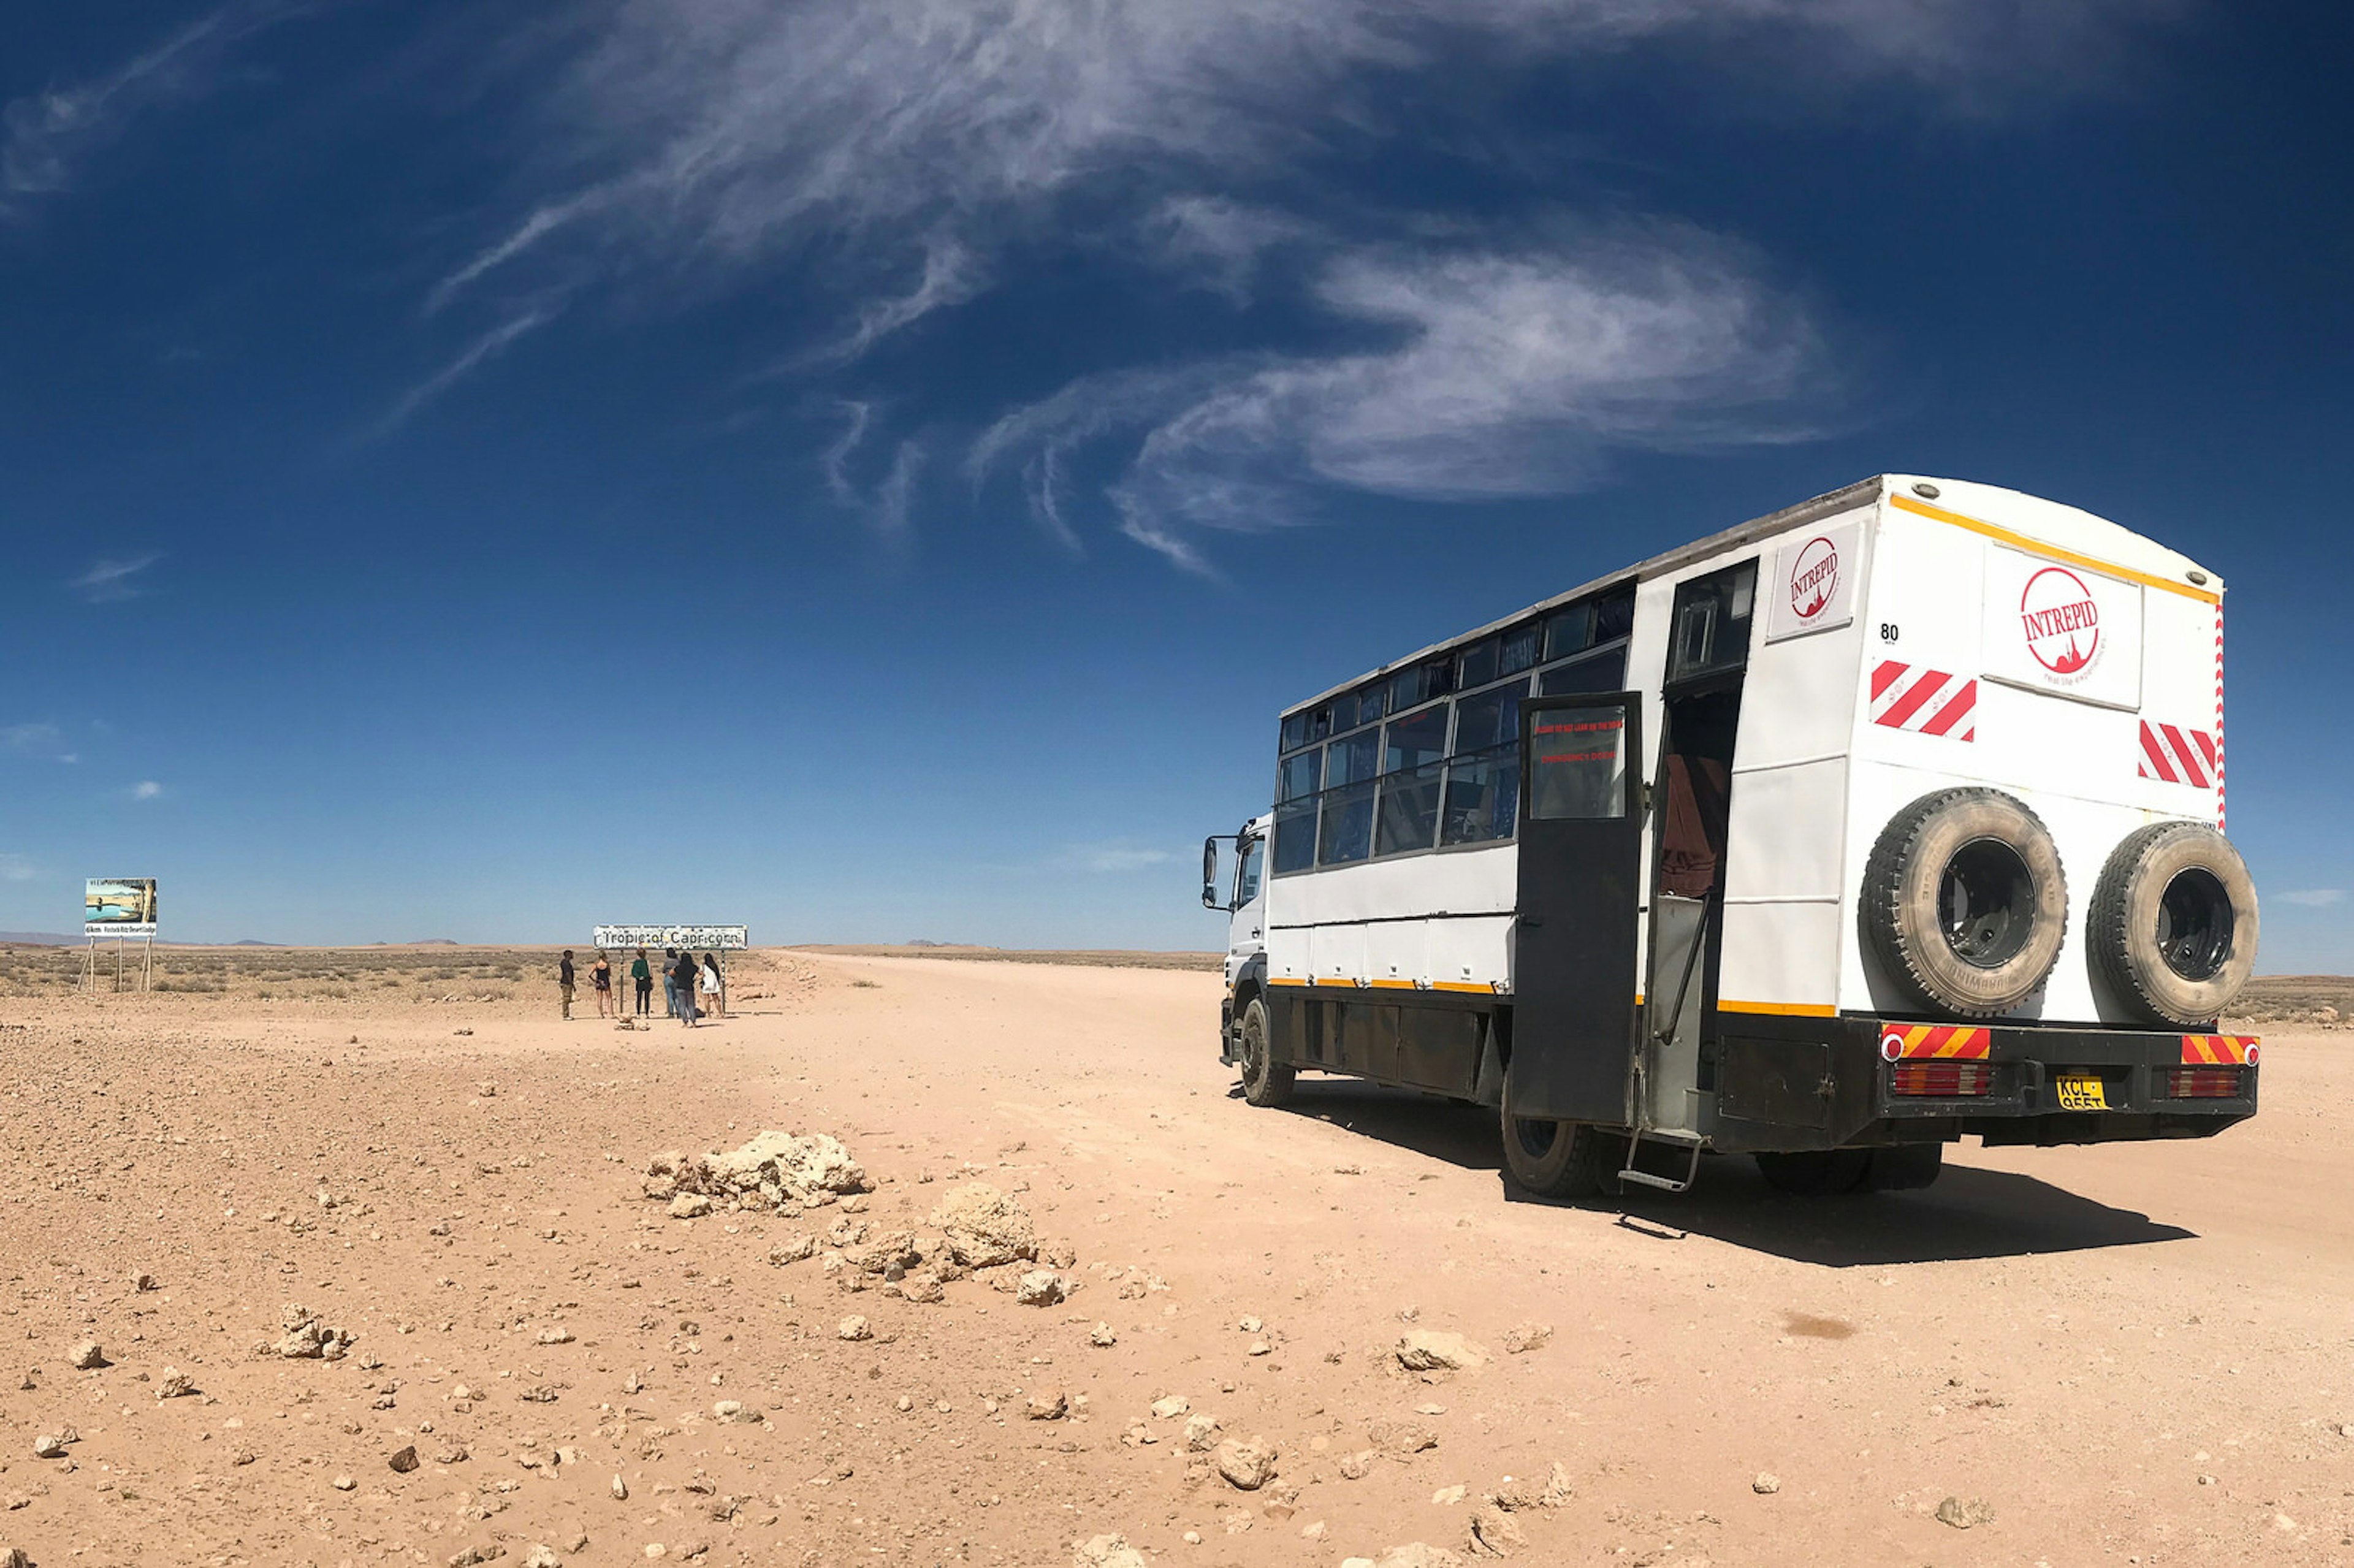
<point x="1233" y="879"/>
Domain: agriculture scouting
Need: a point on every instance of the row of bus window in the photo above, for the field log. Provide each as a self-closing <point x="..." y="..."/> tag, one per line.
<point x="1444" y="775"/>
<point x="1565" y="634"/>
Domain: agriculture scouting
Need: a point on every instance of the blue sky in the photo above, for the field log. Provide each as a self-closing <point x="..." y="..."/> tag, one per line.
<point x="875" y="468"/>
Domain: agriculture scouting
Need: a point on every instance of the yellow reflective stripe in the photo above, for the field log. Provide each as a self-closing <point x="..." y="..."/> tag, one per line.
<point x="1780" y="1009"/>
<point x="2052" y="552"/>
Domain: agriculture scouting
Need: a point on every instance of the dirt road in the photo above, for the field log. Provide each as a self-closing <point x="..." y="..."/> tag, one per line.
<point x="2139" y="1354"/>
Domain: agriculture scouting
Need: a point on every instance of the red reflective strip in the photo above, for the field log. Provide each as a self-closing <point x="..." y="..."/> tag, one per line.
<point x="2154" y="756"/>
<point x="1885" y="676"/>
<point x="1915" y="699"/>
<point x="2206" y="746"/>
<point x="2192" y="773"/>
<point x="1954" y="712"/>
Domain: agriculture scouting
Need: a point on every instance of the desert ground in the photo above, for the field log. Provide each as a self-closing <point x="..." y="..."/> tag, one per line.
<point x="350" y="1257"/>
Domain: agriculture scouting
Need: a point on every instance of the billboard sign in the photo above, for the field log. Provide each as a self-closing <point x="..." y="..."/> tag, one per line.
<point x="706" y="939"/>
<point x="119" y="906"/>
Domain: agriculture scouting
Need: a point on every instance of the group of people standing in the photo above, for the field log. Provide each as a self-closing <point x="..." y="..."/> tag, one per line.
<point x="692" y="987"/>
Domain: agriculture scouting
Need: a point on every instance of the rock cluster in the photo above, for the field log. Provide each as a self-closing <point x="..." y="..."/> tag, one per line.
<point x="774" y="1170"/>
<point x="307" y="1337"/>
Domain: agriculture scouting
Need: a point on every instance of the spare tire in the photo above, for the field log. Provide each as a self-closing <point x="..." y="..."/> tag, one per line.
<point x="2173" y="923"/>
<point x="1964" y="901"/>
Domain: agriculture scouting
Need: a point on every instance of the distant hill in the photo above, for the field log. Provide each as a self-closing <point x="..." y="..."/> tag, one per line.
<point x="37" y="939"/>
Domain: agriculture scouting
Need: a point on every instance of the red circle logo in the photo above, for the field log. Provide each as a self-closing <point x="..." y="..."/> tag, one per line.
<point x="2060" y="620"/>
<point x="1814" y="578"/>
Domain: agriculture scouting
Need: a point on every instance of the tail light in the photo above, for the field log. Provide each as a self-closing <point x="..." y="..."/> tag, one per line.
<point x="1942" y="1080"/>
<point x="2202" y="1082"/>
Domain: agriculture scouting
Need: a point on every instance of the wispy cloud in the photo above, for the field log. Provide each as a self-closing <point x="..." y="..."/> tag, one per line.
<point x="1507" y="373"/>
<point x="895" y="496"/>
<point x="110" y="581"/>
<point x="46" y="137"/>
<point x="1114" y="858"/>
<point x="487" y="346"/>
<point x="17" y="868"/>
<point x="145" y="789"/>
<point x="45" y="741"/>
<point x="2313" y="898"/>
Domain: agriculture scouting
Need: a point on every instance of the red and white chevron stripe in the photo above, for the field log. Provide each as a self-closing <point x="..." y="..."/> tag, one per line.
<point x="1922" y="701"/>
<point x="2219" y="716"/>
<point x="2179" y="755"/>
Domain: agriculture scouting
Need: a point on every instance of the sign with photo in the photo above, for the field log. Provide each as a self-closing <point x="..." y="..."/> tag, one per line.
<point x="119" y="906"/>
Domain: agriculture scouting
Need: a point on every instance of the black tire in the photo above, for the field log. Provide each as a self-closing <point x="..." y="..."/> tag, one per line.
<point x="1816" y="1173"/>
<point x="2173" y="924"/>
<point x="1965" y="903"/>
<point x="1554" y="1159"/>
<point x="1906" y="1168"/>
<point x="1265" y="1082"/>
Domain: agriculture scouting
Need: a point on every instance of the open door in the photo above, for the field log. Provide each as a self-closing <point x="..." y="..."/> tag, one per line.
<point x="1573" y="976"/>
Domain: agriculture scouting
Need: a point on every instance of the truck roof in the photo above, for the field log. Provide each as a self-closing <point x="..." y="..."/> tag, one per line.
<point x="2007" y="514"/>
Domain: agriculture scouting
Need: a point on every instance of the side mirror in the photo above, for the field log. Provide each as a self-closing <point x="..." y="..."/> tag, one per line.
<point x="1210" y="899"/>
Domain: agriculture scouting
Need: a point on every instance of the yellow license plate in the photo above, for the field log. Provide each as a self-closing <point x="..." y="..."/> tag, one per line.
<point x="2081" y="1091"/>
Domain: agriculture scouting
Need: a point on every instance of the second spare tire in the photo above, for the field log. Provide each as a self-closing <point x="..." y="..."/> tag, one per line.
<point x="1965" y="904"/>
<point x="2173" y="924"/>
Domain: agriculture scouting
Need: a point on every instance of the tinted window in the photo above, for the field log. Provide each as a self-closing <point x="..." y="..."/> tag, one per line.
<point x="1348" y="830"/>
<point x="1605" y="669"/>
<point x="1320" y="723"/>
<point x="1579" y="771"/>
<point x="1519" y="650"/>
<point x="1415" y="739"/>
<point x="1482" y="795"/>
<point x="1297" y="777"/>
<point x="1351" y="760"/>
<point x="1246" y="873"/>
<point x="1614" y="618"/>
<point x="1412" y="688"/>
<point x="1295" y="837"/>
<point x="1488" y="718"/>
<point x="1569" y="631"/>
<point x="1476" y="666"/>
<point x="1409" y="810"/>
<point x="1711" y="629"/>
<point x="1295" y="733"/>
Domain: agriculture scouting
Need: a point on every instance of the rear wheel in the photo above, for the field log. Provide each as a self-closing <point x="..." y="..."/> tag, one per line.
<point x="1965" y="904"/>
<point x="1554" y="1159"/>
<point x="1906" y="1168"/>
<point x="2173" y="924"/>
<point x="1265" y="1082"/>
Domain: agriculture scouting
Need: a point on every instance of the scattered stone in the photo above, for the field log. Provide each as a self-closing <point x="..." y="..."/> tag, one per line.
<point x="1250" y="1324"/>
<point x="1101" y="1337"/>
<point x="489" y="1552"/>
<point x="1049" y="1406"/>
<point x="923" y="1287"/>
<point x="146" y="1282"/>
<point x="404" y="1460"/>
<point x="983" y="1227"/>
<point x="344" y="1483"/>
<point x="1447" y="1496"/>
<point x="1261" y="1348"/>
<point x="621" y="1489"/>
<point x="1171" y="1406"/>
<point x="87" y="1356"/>
<point x="48" y="1445"/>
<point x="853" y="1328"/>
<point x="1495" y="1533"/>
<point x="1108" y="1552"/>
<point x="1965" y="1515"/>
<point x="1355" y="1467"/>
<point x="543" y="1557"/>
<point x="1425" y="1349"/>
<point x="1201" y="1433"/>
<point x="727" y="1410"/>
<point x="1315" y="1531"/>
<point x="14" y="1557"/>
<point x="1245" y="1466"/>
<point x="1402" y="1437"/>
<point x="1767" y="1484"/>
<point x="176" y="1385"/>
<point x="689" y="1206"/>
<point x="1519" y="1495"/>
<point x="1415" y="1555"/>
<point x="793" y="1249"/>
<point x="307" y="1337"/>
<point x="771" y="1171"/>
<point x="1522" y="1337"/>
<point x="1040" y="1288"/>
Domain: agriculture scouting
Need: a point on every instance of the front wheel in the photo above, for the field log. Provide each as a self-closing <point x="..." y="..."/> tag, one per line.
<point x="1265" y="1082"/>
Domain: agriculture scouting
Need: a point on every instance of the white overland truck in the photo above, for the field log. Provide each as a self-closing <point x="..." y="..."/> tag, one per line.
<point x="1891" y="817"/>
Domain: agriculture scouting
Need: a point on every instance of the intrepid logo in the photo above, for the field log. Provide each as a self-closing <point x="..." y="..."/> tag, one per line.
<point x="2061" y="621"/>
<point x="1814" y="578"/>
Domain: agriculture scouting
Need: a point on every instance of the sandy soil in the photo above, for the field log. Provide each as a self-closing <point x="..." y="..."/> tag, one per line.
<point x="2138" y="1354"/>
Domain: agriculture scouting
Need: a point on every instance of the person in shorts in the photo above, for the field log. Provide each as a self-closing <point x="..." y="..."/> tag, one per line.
<point x="710" y="987"/>
<point x="564" y="982"/>
<point x="600" y="980"/>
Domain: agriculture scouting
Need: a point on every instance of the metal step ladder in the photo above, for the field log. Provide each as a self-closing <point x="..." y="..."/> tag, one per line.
<point x="1693" y="1141"/>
